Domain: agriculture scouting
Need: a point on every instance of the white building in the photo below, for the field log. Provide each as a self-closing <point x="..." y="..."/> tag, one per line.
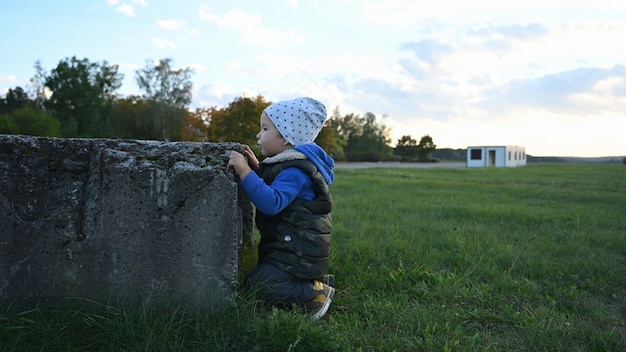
<point x="498" y="156"/>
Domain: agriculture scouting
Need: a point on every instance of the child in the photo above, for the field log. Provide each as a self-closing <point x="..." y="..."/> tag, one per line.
<point x="293" y="206"/>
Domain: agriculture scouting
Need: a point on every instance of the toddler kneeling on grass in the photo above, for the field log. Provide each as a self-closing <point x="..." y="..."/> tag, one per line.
<point x="293" y="206"/>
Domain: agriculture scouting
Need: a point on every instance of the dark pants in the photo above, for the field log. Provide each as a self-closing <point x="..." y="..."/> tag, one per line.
<point x="277" y="286"/>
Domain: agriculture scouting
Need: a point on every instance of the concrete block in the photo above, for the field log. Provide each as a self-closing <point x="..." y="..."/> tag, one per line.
<point x="119" y="222"/>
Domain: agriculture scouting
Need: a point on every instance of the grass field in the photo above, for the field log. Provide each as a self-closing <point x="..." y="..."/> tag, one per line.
<point x="522" y="259"/>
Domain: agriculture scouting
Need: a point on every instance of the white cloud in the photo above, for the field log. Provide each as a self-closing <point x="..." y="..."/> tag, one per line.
<point x="394" y="12"/>
<point x="172" y="24"/>
<point x="218" y="89"/>
<point x="408" y="12"/>
<point x="235" y="19"/>
<point x="249" y="25"/>
<point x="271" y="38"/>
<point x="503" y="66"/>
<point x="218" y="94"/>
<point x="8" y="79"/>
<point x="126" y="9"/>
<point x="124" y="66"/>
<point x="280" y="65"/>
<point x="160" y="43"/>
<point x="198" y="68"/>
<point x="235" y="67"/>
<point x="602" y="96"/>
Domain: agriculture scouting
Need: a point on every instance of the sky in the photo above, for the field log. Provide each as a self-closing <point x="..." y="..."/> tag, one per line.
<point x="548" y="75"/>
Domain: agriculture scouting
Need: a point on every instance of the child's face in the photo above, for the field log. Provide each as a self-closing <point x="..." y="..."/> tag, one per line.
<point x="270" y="140"/>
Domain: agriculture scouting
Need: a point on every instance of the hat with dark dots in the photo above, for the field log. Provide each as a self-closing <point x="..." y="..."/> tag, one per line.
<point x="299" y="120"/>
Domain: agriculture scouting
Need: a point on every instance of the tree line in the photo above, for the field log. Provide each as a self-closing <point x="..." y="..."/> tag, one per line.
<point x="78" y="98"/>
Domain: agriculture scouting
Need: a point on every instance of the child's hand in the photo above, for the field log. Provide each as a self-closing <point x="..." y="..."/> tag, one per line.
<point x="238" y="162"/>
<point x="253" y="162"/>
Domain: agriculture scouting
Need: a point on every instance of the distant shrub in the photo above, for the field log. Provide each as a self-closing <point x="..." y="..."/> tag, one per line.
<point x="370" y="156"/>
<point x="31" y="122"/>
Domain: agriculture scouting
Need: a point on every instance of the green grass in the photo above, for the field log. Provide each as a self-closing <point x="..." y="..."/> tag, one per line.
<point x="530" y="258"/>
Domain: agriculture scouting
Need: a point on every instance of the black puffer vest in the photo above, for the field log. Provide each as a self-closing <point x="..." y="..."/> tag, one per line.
<point x="297" y="239"/>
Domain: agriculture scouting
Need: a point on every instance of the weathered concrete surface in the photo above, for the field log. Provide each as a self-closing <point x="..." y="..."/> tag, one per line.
<point x="119" y="222"/>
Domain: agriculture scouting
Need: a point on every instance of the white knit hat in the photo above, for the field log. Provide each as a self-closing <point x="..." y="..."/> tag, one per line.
<point x="299" y="121"/>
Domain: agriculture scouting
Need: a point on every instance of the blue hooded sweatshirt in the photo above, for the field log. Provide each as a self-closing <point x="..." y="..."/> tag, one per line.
<point x="292" y="183"/>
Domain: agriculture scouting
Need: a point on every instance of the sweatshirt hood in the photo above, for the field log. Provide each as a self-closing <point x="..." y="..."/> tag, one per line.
<point x="324" y="163"/>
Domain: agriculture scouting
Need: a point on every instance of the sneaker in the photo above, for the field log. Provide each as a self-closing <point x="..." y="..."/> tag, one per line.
<point x="322" y="296"/>
<point x="329" y="280"/>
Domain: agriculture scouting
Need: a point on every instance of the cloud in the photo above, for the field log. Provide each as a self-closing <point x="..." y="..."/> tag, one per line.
<point x="160" y="43"/>
<point x="250" y="28"/>
<point x="501" y="37"/>
<point x="180" y="26"/>
<point x="427" y="50"/>
<point x="472" y="54"/>
<point x="393" y="12"/>
<point x="235" y="67"/>
<point x="503" y="68"/>
<point x="234" y="19"/>
<point x="280" y="65"/>
<point x="172" y="24"/>
<point x="217" y="94"/>
<point x="371" y="91"/>
<point x="126" y="8"/>
<point x="407" y="12"/>
<point x="198" y="68"/>
<point x="218" y="89"/>
<point x="576" y="92"/>
<point x="9" y="79"/>
<point x="496" y="74"/>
